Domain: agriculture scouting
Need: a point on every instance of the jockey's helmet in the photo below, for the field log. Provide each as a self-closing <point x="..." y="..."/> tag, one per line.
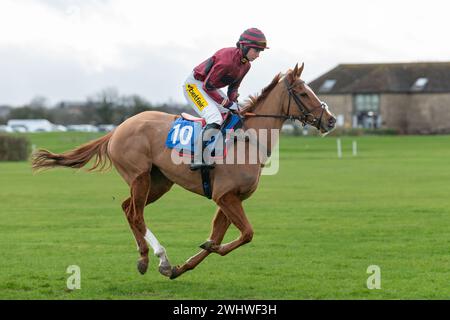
<point x="252" y="38"/>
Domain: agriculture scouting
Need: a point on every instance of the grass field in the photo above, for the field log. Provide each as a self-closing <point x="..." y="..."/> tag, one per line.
<point x="319" y="223"/>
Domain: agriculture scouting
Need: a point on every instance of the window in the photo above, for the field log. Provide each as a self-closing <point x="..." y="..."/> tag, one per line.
<point x="366" y="111"/>
<point x="327" y="85"/>
<point x="420" y="84"/>
<point x="367" y="103"/>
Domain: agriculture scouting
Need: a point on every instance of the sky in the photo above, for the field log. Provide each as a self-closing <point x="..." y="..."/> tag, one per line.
<point x="70" y="50"/>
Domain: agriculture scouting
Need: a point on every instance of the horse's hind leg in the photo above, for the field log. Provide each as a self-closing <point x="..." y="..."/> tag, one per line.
<point x="145" y="189"/>
<point x="134" y="211"/>
<point x="160" y="185"/>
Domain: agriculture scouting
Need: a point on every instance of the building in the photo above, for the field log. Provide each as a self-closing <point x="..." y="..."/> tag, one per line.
<point x="106" y="127"/>
<point x="82" y="128"/>
<point x="34" y="125"/>
<point x="6" y="129"/>
<point x="411" y="98"/>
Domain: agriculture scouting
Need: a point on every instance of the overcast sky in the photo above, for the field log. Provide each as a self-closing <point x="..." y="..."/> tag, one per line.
<point x="68" y="50"/>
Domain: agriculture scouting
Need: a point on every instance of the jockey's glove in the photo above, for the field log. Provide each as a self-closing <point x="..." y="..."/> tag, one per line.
<point x="234" y="106"/>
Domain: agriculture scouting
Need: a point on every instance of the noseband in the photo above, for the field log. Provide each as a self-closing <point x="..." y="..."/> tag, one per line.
<point x="306" y="116"/>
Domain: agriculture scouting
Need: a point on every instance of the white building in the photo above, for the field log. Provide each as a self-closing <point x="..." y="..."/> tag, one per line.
<point x="34" y="125"/>
<point x="82" y="128"/>
<point x="106" y="127"/>
<point x="6" y="129"/>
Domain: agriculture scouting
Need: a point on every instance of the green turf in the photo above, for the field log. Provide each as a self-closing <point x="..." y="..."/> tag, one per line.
<point x="319" y="223"/>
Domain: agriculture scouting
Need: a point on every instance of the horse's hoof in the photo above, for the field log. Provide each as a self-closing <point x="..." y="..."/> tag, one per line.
<point x="166" y="270"/>
<point x="207" y="245"/>
<point x="142" y="266"/>
<point x="175" y="273"/>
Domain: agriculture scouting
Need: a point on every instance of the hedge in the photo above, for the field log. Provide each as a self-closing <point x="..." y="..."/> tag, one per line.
<point x="14" y="148"/>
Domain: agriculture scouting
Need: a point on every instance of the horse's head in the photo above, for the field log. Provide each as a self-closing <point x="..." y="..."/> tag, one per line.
<point x="305" y="105"/>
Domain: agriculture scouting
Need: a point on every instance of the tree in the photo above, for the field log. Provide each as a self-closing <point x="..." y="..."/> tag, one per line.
<point x="105" y="102"/>
<point x="38" y="102"/>
<point x="30" y="113"/>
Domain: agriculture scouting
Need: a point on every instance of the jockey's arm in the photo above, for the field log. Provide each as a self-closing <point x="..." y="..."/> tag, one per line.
<point x="210" y="87"/>
<point x="233" y="92"/>
<point x="233" y="88"/>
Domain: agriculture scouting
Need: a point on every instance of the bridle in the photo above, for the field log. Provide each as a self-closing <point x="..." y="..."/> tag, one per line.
<point x="306" y="116"/>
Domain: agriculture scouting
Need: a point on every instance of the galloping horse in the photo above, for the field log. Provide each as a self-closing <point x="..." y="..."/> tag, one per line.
<point x="137" y="150"/>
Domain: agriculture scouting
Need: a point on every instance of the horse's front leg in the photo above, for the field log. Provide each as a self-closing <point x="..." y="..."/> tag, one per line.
<point x="231" y="211"/>
<point x="231" y="206"/>
<point x="220" y="225"/>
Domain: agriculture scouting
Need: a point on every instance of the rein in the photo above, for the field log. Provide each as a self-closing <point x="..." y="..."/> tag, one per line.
<point x="303" y="118"/>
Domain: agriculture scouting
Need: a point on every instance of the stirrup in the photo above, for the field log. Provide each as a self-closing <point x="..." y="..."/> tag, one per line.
<point x="203" y="165"/>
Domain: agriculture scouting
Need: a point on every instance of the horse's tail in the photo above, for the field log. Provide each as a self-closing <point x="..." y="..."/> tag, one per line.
<point x="77" y="158"/>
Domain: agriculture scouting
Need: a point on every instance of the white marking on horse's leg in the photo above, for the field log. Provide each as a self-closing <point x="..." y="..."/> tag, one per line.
<point x="160" y="252"/>
<point x="154" y="243"/>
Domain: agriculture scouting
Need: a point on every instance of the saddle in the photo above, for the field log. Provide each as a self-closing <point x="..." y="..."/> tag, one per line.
<point x="190" y="117"/>
<point x="187" y="129"/>
<point x="185" y="132"/>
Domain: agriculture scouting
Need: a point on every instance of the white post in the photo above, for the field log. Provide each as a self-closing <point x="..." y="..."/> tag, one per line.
<point x="355" y="148"/>
<point x="339" y="148"/>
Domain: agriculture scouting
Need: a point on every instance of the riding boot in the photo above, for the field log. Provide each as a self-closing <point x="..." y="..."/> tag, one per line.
<point x="207" y="134"/>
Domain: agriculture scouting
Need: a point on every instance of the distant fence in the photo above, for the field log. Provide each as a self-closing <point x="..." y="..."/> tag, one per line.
<point x="296" y="130"/>
<point x="14" y="148"/>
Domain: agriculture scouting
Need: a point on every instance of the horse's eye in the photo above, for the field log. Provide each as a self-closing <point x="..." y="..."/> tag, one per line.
<point x="303" y="94"/>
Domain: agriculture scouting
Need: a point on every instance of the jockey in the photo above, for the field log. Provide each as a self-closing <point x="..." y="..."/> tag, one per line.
<point x="227" y="67"/>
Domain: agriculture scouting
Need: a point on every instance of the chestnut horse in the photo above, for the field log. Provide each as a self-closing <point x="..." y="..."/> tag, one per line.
<point x="137" y="150"/>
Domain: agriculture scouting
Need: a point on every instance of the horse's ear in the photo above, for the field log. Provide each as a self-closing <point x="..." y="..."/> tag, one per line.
<point x="300" y="70"/>
<point x="294" y="73"/>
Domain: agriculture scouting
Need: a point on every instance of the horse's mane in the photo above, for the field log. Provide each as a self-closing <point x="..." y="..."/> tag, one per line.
<point x="254" y="100"/>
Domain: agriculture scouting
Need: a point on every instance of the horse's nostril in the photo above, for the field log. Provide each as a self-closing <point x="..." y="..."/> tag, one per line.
<point x="331" y="122"/>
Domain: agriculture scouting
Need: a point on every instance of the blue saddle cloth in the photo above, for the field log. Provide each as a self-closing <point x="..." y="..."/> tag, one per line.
<point x="184" y="133"/>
